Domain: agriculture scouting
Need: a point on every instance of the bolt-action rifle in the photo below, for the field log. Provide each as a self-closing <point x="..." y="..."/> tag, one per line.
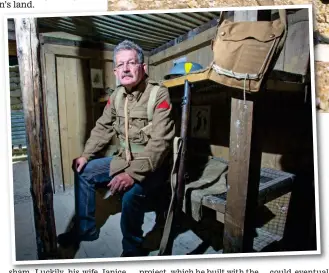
<point x="178" y="174"/>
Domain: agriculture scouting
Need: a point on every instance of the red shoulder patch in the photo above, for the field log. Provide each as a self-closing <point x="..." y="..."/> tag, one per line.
<point x="164" y="105"/>
<point x="108" y="102"/>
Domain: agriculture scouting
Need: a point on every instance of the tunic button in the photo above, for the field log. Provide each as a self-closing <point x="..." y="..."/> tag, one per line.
<point x="130" y="127"/>
<point x="130" y="97"/>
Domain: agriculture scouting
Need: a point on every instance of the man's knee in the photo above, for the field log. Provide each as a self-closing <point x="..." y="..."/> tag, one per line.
<point x="95" y="167"/>
<point x="86" y="172"/>
<point x="133" y="198"/>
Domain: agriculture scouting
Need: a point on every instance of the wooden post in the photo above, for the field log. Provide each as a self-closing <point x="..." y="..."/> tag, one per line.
<point x="243" y="178"/>
<point x="41" y="190"/>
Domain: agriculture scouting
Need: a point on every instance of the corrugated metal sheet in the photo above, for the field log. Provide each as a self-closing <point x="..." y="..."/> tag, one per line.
<point x="150" y="31"/>
<point x="18" y="132"/>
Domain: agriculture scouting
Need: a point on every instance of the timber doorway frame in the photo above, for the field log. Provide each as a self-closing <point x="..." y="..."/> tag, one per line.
<point x="49" y="54"/>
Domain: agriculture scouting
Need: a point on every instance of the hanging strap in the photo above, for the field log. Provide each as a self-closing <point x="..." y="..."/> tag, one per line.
<point x="283" y="18"/>
<point x="127" y="148"/>
<point x="151" y="102"/>
<point x="170" y="216"/>
<point x="118" y="98"/>
<point x="220" y="20"/>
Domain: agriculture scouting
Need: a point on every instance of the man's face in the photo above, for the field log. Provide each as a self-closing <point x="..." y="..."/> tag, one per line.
<point x="128" y="70"/>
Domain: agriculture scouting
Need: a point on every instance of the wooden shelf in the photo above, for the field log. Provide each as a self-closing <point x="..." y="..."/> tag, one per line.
<point x="278" y="80"/>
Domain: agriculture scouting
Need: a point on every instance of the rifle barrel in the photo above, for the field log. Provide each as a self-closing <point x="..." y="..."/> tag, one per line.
<point x="186" y="106"/>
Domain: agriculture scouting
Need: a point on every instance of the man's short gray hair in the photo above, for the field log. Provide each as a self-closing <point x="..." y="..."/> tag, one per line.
<point x="129" y="45"/>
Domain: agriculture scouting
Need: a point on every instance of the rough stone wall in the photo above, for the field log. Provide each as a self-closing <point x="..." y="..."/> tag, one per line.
<point x="322" y="67"/>
<point x="15" y="88"/>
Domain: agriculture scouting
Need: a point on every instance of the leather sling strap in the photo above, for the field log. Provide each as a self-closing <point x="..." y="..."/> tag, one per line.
<point x="170" y="217"/>
<point x="127" y="148"/>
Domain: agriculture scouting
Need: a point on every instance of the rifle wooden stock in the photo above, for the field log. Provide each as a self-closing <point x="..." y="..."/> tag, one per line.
<point x="177" y="181"/>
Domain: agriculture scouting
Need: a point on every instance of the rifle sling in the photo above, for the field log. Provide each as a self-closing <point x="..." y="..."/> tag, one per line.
<point x="170" y="216"/>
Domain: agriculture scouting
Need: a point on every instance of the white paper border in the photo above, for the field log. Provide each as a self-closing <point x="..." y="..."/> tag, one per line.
<point x="177" y="257"/>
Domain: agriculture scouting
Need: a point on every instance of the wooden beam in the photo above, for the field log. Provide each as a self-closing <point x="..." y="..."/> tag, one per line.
<point x="243" y="178"/>
<point x="198" y="41"/>
<point x="41" y="189"/>
<point x="278" y="81"/>
<point x="186" y="36"/>
<point x="84" y="53"/>
<point x="76" y="43"/>
<point x="51" y="105"/>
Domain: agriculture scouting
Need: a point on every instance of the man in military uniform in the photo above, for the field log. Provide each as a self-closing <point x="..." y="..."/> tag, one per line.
<point x="139" y="112"/>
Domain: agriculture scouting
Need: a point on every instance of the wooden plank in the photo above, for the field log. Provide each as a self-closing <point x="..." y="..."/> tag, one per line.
<point x="53" y="121"/>
<point x="62" y="114"/>
<point x="295" y="55"/>
<point x="220" y="216"/>
<point x="77" y="43"/>
<point x="271" y="84"/>
<point x="41" y="189"/>
<point x="185" y="37"/>
<point x="95" y="92"/>
<point x="74" y="100"/>
<point x="109" y="78"/>
<point x="84" y="103"/>
<point x="43" y="71"/>
<point x="72" y="112"/>
<point x="243" y="178"/>
<point x="297" y="47"/>
<point x="199" y="41"/>
<point x="83" y="53"/>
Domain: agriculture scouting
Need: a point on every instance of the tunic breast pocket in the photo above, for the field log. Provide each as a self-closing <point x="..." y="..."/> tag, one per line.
<point x="138" y="121"/>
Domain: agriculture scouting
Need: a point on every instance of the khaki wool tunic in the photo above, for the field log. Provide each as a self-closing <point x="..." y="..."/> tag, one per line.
<point x="154" y="139"/>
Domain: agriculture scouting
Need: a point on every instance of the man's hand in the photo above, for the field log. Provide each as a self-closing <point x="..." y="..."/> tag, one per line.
<point x="79" y="163"/>
<point x="121" y="182"/>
